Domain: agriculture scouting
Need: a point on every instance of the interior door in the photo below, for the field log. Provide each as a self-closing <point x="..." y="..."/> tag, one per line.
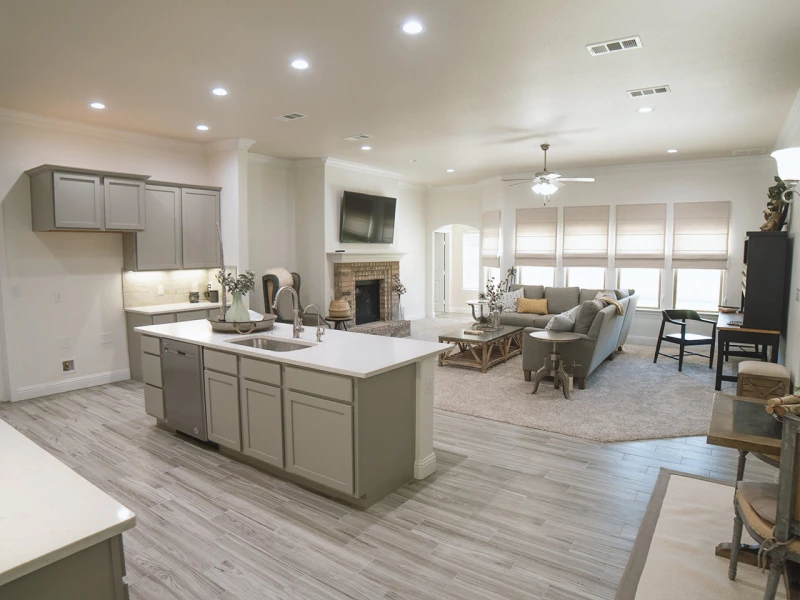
<point x="440" y="272"/>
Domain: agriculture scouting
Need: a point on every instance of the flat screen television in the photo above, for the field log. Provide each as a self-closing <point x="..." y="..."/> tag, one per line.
<point x="367" y="219"/>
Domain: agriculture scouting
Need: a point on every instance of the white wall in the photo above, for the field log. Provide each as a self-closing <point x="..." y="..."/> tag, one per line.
<point x="86" y="268"/>
<point x="309" y="208"/>
<point x="271" y="220"/>
<point x="458" y="296"/>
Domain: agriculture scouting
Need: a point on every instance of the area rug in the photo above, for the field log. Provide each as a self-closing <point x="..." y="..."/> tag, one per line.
<point x="673" y="556"/>
<point x="629" y="398"/>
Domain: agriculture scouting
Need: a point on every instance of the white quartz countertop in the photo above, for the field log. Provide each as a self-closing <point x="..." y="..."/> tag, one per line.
<point x="47" y="511"/>
<point x="160" y="309"/>
<point x="342" y="352"/>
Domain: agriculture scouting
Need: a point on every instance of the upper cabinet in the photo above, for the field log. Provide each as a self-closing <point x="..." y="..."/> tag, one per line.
<point x="199" y="218"/>
<point x="80" y="199"/>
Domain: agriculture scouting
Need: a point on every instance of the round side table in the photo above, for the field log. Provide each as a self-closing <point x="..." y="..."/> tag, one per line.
<point x="339" y="322"/>
<point x="556" y="370"/>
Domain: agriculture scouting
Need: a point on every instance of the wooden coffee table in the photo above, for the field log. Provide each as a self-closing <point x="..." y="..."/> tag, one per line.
<point x="484" y="350"/>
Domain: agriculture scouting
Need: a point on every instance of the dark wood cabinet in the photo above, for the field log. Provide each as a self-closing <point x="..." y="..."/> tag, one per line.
<point x="764" y="279"/>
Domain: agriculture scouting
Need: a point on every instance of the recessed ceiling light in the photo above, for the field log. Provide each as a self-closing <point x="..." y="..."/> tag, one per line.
<point x="219" y="92"/>
<point x="413" y="27"/>
<point x="366" y="148"/>
<point x="300" y="64"/>
<point x="98" y="105"/>
<point x="202" y="128"/>
<point x="412" y="160"/>
<point x="451" y="170"/>
<point x="672" y="151"/>
<point x="646" y="109"/>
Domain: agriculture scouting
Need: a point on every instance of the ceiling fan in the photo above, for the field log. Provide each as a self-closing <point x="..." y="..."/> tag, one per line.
<point x="546" y="183"/>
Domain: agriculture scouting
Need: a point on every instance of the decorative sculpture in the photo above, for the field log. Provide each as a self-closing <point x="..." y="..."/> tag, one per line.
<point x="777" y="207"/>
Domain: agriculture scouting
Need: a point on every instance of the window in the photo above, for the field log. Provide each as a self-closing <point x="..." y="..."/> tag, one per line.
<point x="545" y="276"/>
<point x="470" y="256"/>
<point x="698" y="289"/>
<point x="701" y="235"/>
<point x="641" y="231"/>
<point x="593" y="278"/>
<point x="493" y="272"/>
<point x="535" y="240"/>
<point x="490" y="248"/>
<point x="646" y="282"/>
<point x="585" y="236"/>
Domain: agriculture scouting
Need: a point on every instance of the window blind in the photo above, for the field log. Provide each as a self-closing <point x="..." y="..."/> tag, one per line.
<point x="701" y="235"/>
<point x="586" y="236"/>
<point x="490" y="247"/>
<point x="641" y="233"/>
<point x="535" y="240"/>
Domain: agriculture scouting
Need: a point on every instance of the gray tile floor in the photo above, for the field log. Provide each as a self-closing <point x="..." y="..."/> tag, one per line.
<point x="510" y="513"/>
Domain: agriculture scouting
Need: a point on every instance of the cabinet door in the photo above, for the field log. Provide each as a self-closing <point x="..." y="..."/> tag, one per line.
<point x="262" y="422"/>
<point x="192" y="315"/>
<point x="159" y="245"/>
<point x="222" y="407"/>
<point x="319" y="440"/>
<point x="154" y="401"/>
<point x="162" y="319"/>
<point x="78" y="201"/>
<point x="199" y="217"/>
<point x="124" y="204"/>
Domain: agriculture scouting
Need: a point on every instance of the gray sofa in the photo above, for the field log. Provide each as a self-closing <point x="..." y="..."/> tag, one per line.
<point x="607" y="333"/>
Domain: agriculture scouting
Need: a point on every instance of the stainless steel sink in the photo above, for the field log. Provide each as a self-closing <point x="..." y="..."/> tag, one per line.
<point x="273" y="344"/>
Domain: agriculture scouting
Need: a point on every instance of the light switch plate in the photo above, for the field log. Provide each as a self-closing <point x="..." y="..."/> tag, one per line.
<point x="797" y="295"/>
<point x="57" y="297"/>
<point x="106" y="338"/>
<point x="16" y="291"/>
<point x="194" y="286"/>
<point x="161" y="290"/>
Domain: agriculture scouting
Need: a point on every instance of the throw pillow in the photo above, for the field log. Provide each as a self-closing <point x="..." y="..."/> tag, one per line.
<point x="606" y="294"/>
<point x="586" y="316"/>
<point x="531" y="306"/>
<point x="509" y="300"/>
<point x="622" y="294"/>
<point x="563" y="322"/>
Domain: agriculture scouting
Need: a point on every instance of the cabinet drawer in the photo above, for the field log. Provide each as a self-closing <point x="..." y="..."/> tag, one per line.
<point x="151" y="345"/>
<point x="154" y="401"/>
<point x="320" y="384"/>
<point x="192" y="315"/>
<point x="151" y="370"/>
<point x="219" y="361"/>
<point x="162" y="319"/>
<point x="319" y="442"/>
<point x="259" y="370"/>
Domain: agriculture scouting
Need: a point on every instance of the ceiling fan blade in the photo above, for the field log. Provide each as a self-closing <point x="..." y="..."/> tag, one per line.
<point x="578" y="179"/>
<point x="520" y="183"/>
<point x="527" y="179"/>
<point x="552" y="176"/>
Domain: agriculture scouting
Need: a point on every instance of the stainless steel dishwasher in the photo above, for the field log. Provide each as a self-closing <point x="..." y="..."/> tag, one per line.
<point x="182" y="373"/>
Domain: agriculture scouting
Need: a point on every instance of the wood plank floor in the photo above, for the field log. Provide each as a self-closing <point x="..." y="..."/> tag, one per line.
<point x="510" y="513"/>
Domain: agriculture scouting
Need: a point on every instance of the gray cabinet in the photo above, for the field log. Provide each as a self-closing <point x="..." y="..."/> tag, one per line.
<point x="319" y="440"/>
<point x="158" y="247"/>
<point x="262" y="422"/>
<point x="124" y="204"/>
<point x="77" y="201"/>
<point x="192" y="315"/>
<point x="222" y="409"/>
<point x="199" y="217"/>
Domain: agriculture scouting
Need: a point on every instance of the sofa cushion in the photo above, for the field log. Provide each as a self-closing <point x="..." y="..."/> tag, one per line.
<point x="622" y="294"/>
<point x="586" y="315"/>
<point x="561" y="299"/>
<point x="509" y="300"/>
<point x="518" y="320"/>
<point x="530" y="305"/>
<point x="588" y="294"/>
<point x="534" y="292"/>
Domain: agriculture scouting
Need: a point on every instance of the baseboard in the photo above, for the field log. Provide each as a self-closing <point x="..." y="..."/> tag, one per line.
<point x="425" y="466"/>
<point x="640" y="339"/>
<point x="68" y="385"/>
<point x="414" y="316"/>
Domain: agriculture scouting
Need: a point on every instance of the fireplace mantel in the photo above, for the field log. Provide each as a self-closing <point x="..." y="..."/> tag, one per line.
<point x="361" y="256"/>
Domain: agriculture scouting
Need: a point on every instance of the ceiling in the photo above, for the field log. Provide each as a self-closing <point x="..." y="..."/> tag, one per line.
<point x="477" y="91"/>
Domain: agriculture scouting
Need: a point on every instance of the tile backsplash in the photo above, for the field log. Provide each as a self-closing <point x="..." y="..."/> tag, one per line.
<point x="141" y="288"/>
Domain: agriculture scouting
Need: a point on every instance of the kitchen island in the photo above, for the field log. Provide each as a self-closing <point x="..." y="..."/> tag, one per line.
<point x="60" y="536"/>
<point x="350" y="415"/>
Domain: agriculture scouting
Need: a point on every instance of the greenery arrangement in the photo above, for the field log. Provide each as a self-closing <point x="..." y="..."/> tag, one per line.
<point x="246" y="282"/>
<point x="495" y="291"/>
<point x="777" y="207"/>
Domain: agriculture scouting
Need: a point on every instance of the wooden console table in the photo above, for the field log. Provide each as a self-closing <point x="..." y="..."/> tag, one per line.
<point x="734" y="334"/>
<point x="483" y="350"/>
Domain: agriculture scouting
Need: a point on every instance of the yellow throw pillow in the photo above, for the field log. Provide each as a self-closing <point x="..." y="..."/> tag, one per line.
<point x="531" y="306"/>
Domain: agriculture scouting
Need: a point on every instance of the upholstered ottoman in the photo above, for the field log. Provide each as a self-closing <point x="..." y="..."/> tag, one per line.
<point x="762" y="380"/>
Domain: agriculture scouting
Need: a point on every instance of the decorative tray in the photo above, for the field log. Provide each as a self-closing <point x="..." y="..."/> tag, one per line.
<point x="219" y="325"/>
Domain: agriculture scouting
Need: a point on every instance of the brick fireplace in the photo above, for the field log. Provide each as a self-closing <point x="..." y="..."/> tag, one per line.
<point x="347" y="275"/>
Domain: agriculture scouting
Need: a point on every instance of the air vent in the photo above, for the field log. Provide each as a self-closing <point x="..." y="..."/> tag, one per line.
<point x="358" y="137"/>
<point x="291" y="117"/>
<point x="651" y="91"/>
<point x="629" y="43"/>
<point x="750" y="152"/>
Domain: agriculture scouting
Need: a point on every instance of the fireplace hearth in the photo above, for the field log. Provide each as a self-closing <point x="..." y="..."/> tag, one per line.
<point x="368" y="301"/>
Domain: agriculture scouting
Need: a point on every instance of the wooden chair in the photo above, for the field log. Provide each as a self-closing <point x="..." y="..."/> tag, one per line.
<point x="770" y="512"/>
<point x="683" y="339"/>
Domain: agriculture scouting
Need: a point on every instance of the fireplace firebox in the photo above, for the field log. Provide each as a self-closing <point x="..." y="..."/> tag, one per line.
<point x="368" y="301"/>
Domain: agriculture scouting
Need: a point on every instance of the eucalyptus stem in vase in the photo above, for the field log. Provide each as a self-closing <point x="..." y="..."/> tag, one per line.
<point x="238" y="287"/>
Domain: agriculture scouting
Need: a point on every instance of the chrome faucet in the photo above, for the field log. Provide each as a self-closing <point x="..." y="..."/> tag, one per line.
<point x="320" y="329"/>
<point x="297" y="326"/>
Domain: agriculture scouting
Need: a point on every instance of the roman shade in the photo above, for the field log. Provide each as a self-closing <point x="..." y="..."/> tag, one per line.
<point x="701" y="235"/>
<point x="641" y="233"/>
<point x="535" y="240"/>
<point x="586" y="236"/>
<point x="490" y="245"/>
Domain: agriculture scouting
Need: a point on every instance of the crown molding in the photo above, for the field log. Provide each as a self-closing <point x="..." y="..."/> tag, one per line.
<point x="229" y="144"/>
<point x="263" y="159"/>
<point x="306" y="163"/>
<point x="359" y="168"/>
<point x="132" y="137"/>
<point x="406" y="185"/>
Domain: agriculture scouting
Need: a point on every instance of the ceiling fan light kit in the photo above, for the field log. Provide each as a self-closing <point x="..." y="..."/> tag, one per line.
<point x="546" y="183"/>
<point x="544" y="188"/>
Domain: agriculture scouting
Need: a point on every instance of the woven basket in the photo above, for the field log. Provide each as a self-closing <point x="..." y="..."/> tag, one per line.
<point x="339" y="309"/>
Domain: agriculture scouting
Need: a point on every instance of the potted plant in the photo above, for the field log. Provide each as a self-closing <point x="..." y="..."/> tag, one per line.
<point x="399" y="289"/>
<point x="238" y="287"/>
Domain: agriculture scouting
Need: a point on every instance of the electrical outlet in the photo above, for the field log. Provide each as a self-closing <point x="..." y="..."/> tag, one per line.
<point x="63" y="343"/>
<point x="161" y="290"/>
<point x="107" y="338"/>
<point x="68" y="365"/>
<point x="194" y="286"/>
<point x="57" y="296"/>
